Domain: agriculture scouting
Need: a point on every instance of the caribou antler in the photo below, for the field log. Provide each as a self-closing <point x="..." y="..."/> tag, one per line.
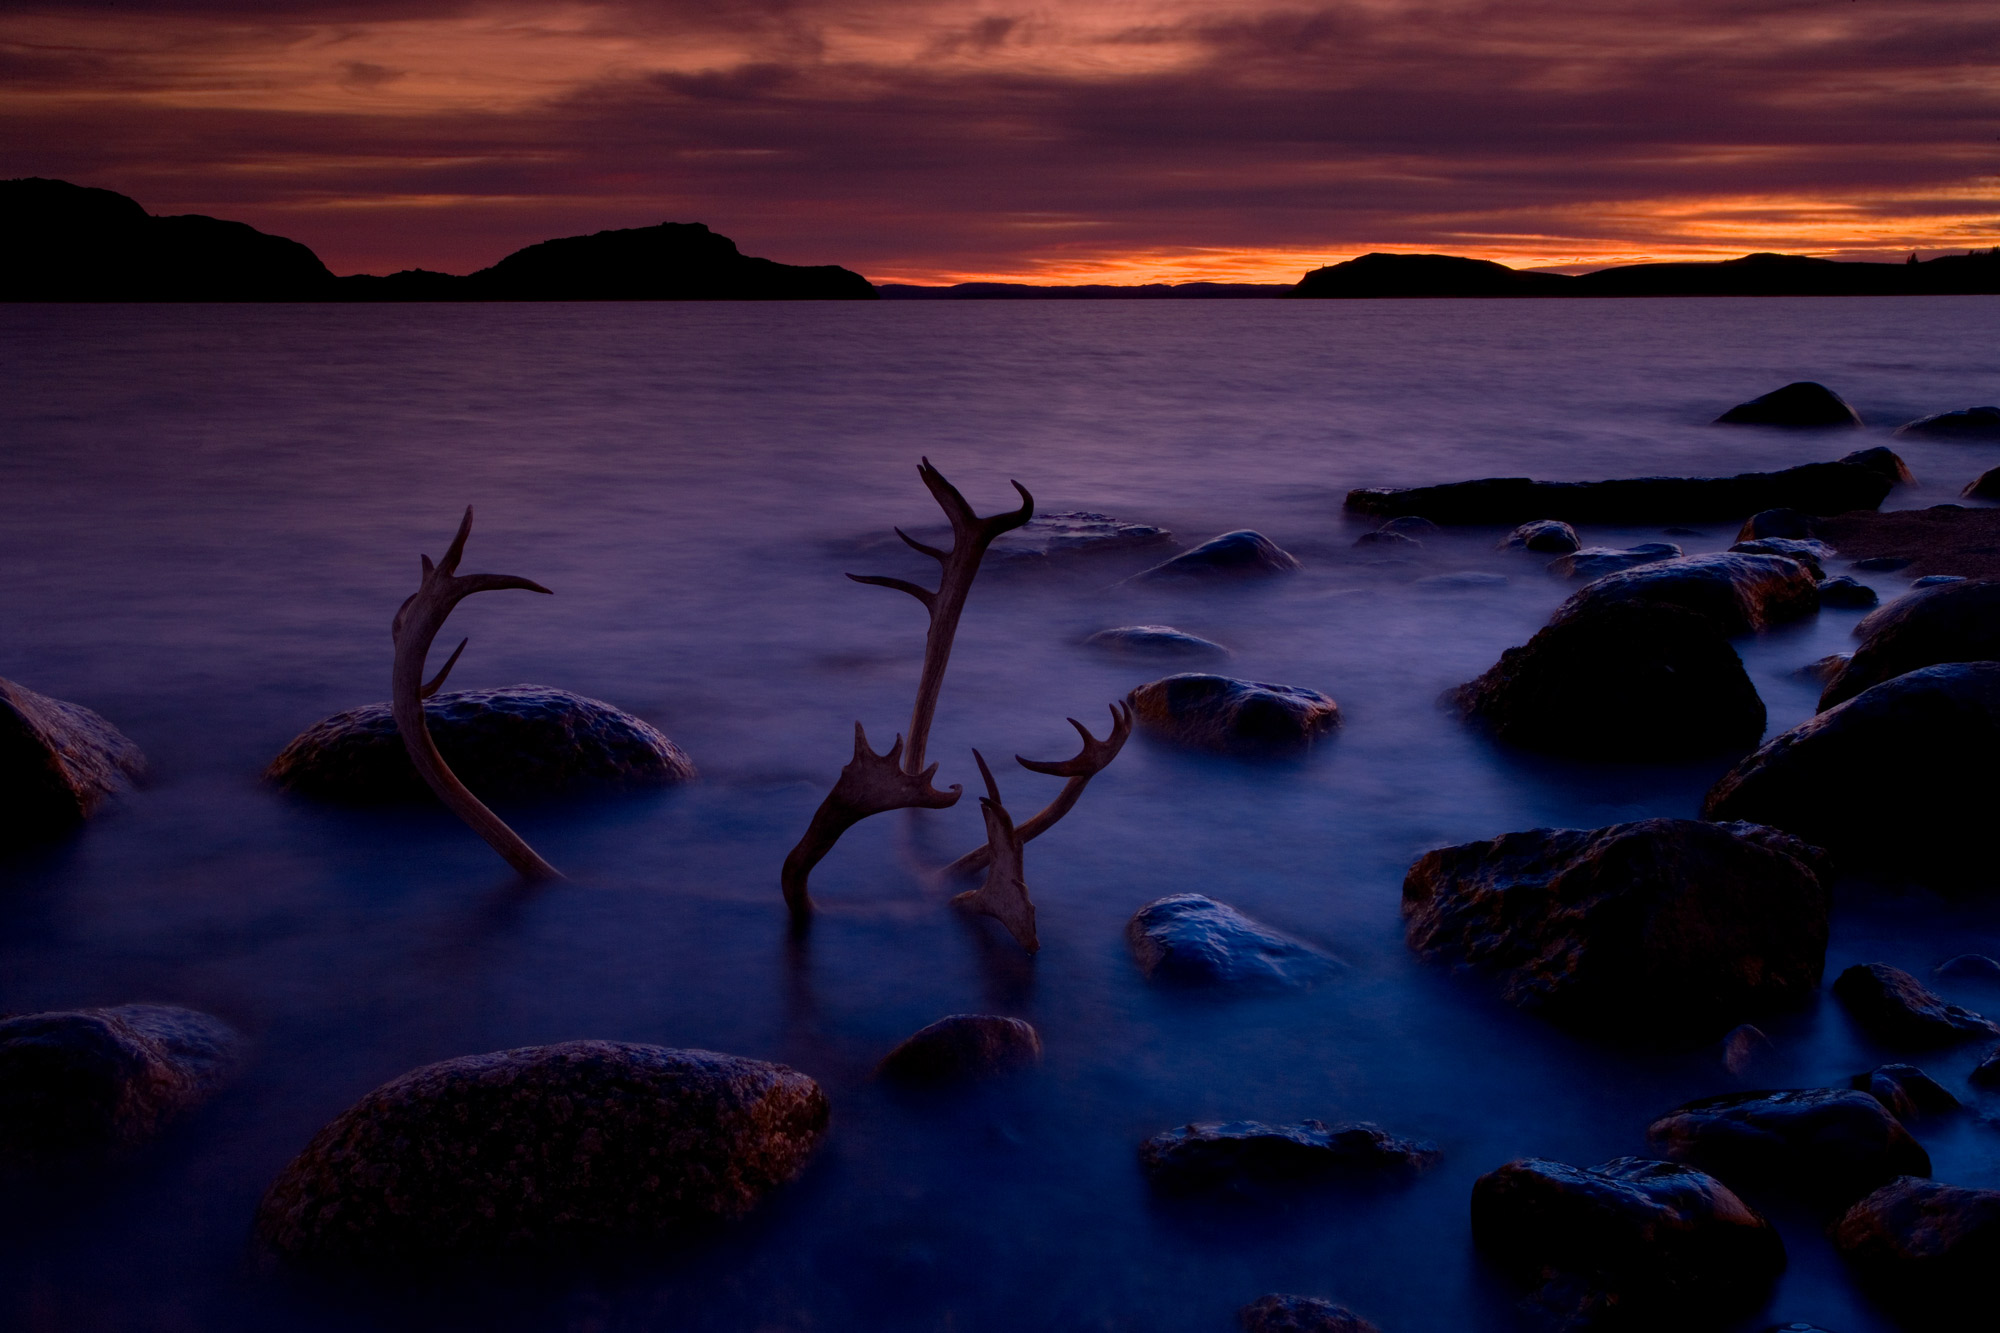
<point x="872" y="784"/>
<point x="1004" y="895"/>
<point x="1093" y="759"/>
<point x="417" y="622"/>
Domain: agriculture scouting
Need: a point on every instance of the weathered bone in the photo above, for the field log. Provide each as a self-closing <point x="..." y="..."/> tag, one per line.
<point x="1093" y="759"/>
<point x="417" y="622"/>
<point x="1004" y="895"/>
<point x="870" y="785"/>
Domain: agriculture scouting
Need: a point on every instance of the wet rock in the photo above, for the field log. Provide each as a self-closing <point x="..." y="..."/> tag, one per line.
<point x="543" y="1149"/>
<point x="1154" y="641"/>
<point x="1300" y="1314"/>
<point x="1971" y="423"/>
<point x="1738" y="594"/>
<point x="1628" y="1244"/>
<point x="1233" y="555"/>
<point x="1594" y="562"/>
<point x="1905" y="1091"/>
<point x="1388" y="541"/>
<point x="1929" y="1249"/>
<point x="1986" y="1074"/>
<point x="1233" y="716"/>
<point x="1883" y="564"/>
<point x="1746" y="1049"/>
<point x="1952" y="622"/>
<point x="1807" y="551"/>
<point x="1883" y="460"/>
<point x="522" y="741"/>
<point x="1936" y="580"/>
<point x="58" y="763"/>
<point x="1464" y="580"/>
<point x="1624" y="682"/>
<point x="1663" y="930"/>
<point x="1804" y="403"/>
<point x="1975" y="966"/>
<point x="1831" y="1144"/>
<point x="1812" y="488"/>
<point x="1409" y="525"/>
<point x="963" y="1046"/>
<point x="1189" y="939"/>
<point x="1824" y="669"/>
<point x="1249" y="1153"/>
<point x="1776" y="523"/>
<point x="1985" y="486"/>
<point x="1549" y="536"/>
<point x="1895" y="1008"/>
<point x="83" y="1088"/>
<point x="1899" y="778"/>
<point x="1070" y="534"/>
<point x="1847" y="594"/>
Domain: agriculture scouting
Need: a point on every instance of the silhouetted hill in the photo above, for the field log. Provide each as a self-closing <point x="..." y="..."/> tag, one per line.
<point x="1022" y="291"/>
<point x="1380" y="275"/>
<point x="1377" y="275"/>
<point x="675" y="261"/>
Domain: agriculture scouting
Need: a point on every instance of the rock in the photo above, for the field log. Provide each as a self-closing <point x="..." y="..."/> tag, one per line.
<point x="1895" y="1008"/>
<point x="1625" y="682"/>
<point x="543" y="1149"/>
<point x="1738" y="594"/>
<point x="1953" y="622"/>
<point x="1808" y="552"/>
<point x="522" y="741"/>
<point x="1154" y="641"/>
<point x="1905" y="1091"/>
<point x="58" y="763"/>
<point x="1931" y="1250"/>
<point x="1630" y="1243"/>
<point x="1234" y="716"/>
<point x="1776" y="523"/>
<point x="1250" y="1153"/>
<point x="1986" y="1074"/>
<point x="1826" y="668"/>
<point x="1409" y="525"/>
<point x="1883" y="564"/>
<point x="1885" y="461"/>
<point x="1682" y="532"/>
<point x="1833" y="1145"/>
<point x="962" y="1046"/>
<point x="1233" y="555"/>
<point x="1847" y="594"/>
<point x="1972" y="423"/>
<point x="1062" y="534"/>
<point x="1976" y="966"/>
<point x="1464" y="580"/>
<point x="1389" y="541"/>
<point x="1593" y="562"/>
<point x="1812" y="488"/>
<point x="1936" y="580"/>
<point x="1300" y="1314"/>
<point x="1899" y="778"/>
<point x="1550" y="536"/>
<point x="1937" y="540"/>
<point x="83" y="1088"/>
<point x="1745" y="1049"/>
<point x="1985" y="486"/>
<point x="1804" y="403"/>
<point x="1188" y="939"/>
<point x="1663" y="930"/>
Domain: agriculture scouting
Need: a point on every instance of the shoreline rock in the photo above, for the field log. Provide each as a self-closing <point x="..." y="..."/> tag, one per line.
<point x="1737" y="594"/>
<point x="1895" y="1008"/>
<point x="59" y="763"/>
<point x="963" y="1046"/>
<point x="1929" y="1249"/>
<point x="1241" y="717"/>
<point x="1831" y="1145"/>
<point x="1250" y="1153"/>
<point x="1234" y="555"/>
<point x="1154" y="641"/>
<point x="1278" y="1313"/>
<point x="1947" y="622"/>
<point x="1801" y="405"/>
<point x="1188" y="939"/>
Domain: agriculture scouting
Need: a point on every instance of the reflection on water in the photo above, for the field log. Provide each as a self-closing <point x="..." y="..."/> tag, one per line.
<point x="215" y="510"/>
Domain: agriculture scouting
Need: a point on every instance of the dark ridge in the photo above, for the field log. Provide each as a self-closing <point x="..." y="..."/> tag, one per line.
<point x="1379" y="275"/>
<point x="1021" y="291"/>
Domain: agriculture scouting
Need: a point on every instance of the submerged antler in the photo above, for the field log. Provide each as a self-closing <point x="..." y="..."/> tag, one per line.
<point x="417" y="622"/>
<point x="1004" y="895"/>
<point x="872" y="784"/>
<point x="1093" y="759"/>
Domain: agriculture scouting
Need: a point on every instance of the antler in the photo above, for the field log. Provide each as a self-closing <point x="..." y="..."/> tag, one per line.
<point x="869" y="785"/>
<point x="1004" y="895"/>
<point x="1093" y="759"/>
<point x="417" y="622"/>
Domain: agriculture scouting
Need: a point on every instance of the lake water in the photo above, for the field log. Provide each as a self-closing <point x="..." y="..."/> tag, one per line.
<point x="212" y="513"/>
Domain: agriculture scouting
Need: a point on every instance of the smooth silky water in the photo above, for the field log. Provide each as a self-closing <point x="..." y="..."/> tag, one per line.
<point x="212" y="513"/>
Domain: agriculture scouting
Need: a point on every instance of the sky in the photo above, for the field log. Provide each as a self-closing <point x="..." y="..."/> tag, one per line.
<point x="1091" y="141"/>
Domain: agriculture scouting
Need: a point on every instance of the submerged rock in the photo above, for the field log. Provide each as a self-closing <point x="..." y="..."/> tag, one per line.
<point x="1899" y="778"/>
<point x="1594" y="562"/>
<point x="1409" y="525"/>
<point x="1985" y="486"/>
<point x="1154" y="641"/>
<point x="1832" y="1145"/>
<point x="1883" y="564"/>
<point x="1936" y="580"/>
<point x="1387" y="540"/>
<point x="58" y="763"/>
<point x="1905" y="1091"/>
<point x="522" y="741"/>
<point x="1823" y="669"/>
<point x="963" y="1046"/>
<point x="1189" y="939"/>
<point x="1971" y="423"/>
<point x="543" y="1149"/>
<point x="1807" y="551"/>
<point x="1949" y="622"/>
<point x="1973" y="965"/>
<point x="1068" y="534"/>
<point x="1250" y="1153"/>
<point x="1804" y="403"/>
<point x="1234" y="716"/>
<point x="1628" y="1244"/>
<point x="1848" y="595"/>
<point x="1776" y="523"/>
<point x="1624" y="682"/>
<point x="1931" y="1250"/>
<point x="1233" y="555"/>
<point x="1464" y="580"/>
<point x="1737" y="594"/>
<point x="1662" y="930"/>
<point x="1894" y="1007"/>
<point x="83" y="1088"/>
<point x="1300" y="1314"/>
<point x="1550" y="536"/>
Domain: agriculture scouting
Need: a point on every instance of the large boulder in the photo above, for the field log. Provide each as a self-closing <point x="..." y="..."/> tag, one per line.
<point x="1187" y="939"/>
<point x="1206" y="712"/>
<point x="1948" y="622"/>
<point x="1899" y="778"/>
<point x="1885" y="461"/>
<point x="1971" y="423"/>
<point x="540" y="1150"/>
<point x="1248" y="1153"/>
<point x="83" y="1088"/>
<point x="1831" y="1144"/>
<point x="963" y="1046"/>
<point x="58" y="763"/>
<point x="1594" y="562"/>
<point x="1811" y="488"/>
<point x="1626" y="682"/>
<point x="1808" y="552"/>
<point x="1804" y="403"/>
<point x="1154" y="641"/>
<point x="1664" y="930"/>
<point x="1630" y="1244"/>
<point x="522" y="741"/>
<point x="1737" y="594"/>
<point x="1233" y="555"/>
<point x="1895" y="1008"/>
<point x="1930" y="1249"/>
<point x="1279" y="1313"/>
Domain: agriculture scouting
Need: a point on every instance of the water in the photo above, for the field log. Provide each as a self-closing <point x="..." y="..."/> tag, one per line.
<point x="212" y="513"/>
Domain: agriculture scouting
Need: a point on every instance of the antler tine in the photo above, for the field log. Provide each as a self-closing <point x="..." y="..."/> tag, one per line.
<point x="924" y="595"/>
<point x="925" y="547"/>
<point x="449" y="565"/>
<point x="1007" y="522"/>
<point x="1004" y="895"/>
<point x="992" y="787"/>
<point x="870" y="784"/>
<point x="1093" y="759"/>
<point x="437" y="681"/>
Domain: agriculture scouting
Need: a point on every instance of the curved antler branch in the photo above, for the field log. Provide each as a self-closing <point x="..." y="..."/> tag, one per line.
<point x="869" y="785"/>
<point x="417" y="622"/>
<point x="1095" y="756"/>
<point x="1004" y="895"/>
